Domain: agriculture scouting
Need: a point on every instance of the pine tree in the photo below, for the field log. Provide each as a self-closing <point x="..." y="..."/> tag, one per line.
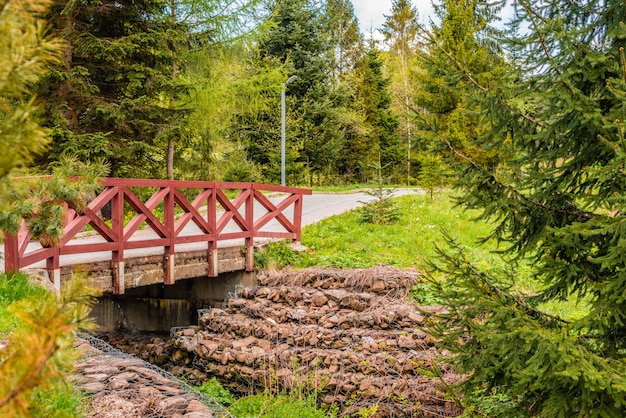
<point x="460" y="56"/>
<point x="561" y="206"/>
<point x="116" y="96"/>
<point x="383" y="144"/>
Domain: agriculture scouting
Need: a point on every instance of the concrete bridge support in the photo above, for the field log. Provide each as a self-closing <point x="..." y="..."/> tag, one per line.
<point x="159" y="307"/>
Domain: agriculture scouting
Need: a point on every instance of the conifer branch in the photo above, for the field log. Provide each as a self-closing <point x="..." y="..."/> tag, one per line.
<point x="476" y="83"/>
<point x="466" y="73"/>
<point x="542" y="41"/>
<point x="477" y="166"/>
<point x="517" y="300"/>
<point x="583" y="215"/>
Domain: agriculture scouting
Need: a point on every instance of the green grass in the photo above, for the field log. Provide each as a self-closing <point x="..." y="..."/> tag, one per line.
<point x="295" y="404"/>
<point x="58" y="399"/>
<point x="277" y="406"/>
<point x="343" y="241"/>
<point x="12" y="289"/>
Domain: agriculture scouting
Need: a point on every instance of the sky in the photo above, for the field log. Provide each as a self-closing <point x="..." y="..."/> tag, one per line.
<point x="371" y="13"/>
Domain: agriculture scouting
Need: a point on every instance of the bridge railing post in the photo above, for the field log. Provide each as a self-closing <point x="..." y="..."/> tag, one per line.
<point x="11" y="253"/>
<point x="297" y="216"/>
<point x="117" y="257"/>
<point x="249" y="241"/>
<point x="168" y="221"/>
<point x="54" y="268"/>
<point x="212" y="221"/>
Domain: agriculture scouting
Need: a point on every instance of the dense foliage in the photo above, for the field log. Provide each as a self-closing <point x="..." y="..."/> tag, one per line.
<point x="559" y="201"/>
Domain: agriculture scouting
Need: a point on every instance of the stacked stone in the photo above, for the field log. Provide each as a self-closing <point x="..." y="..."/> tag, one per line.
<point x="351" y="336"/>
<point x="125" y="387"/>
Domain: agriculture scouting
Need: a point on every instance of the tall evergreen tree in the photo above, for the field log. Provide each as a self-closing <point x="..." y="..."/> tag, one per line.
<point x="113" y="96"/>
<point x="401" y="32"/>
<point x="297" y="41"/>
<point x="459" y="53"/>
<point x="344" y="36"/>
<point x="383" y="145"/>
<point x="562" y="207"/>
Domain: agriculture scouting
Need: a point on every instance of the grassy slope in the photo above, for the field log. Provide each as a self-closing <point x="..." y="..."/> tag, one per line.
<point x="342" y="241"/>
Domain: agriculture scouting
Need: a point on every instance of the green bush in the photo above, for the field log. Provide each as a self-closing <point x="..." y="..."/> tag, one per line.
<point x="214" y="389"/>
<point x="274" y="256"/>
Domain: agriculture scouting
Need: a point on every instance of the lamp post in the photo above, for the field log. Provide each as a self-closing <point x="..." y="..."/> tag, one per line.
<point x="282" y="129"/>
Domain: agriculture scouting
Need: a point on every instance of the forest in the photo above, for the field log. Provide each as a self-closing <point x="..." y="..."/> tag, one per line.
<point x="525" y="119"/>
<point x="190" y="89"/>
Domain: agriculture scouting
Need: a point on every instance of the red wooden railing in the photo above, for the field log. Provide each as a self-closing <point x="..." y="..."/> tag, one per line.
<point x="178" y="212"/>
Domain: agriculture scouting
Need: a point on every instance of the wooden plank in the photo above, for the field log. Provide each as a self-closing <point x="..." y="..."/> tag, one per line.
<point x="191" y="214"/>
<point x="232" y="235"/>
<point x="35" y="256"/>
<point x="88" y="248"/>
<point x="117" y="256"/>
<point x="297" y="217"/>
<point x="23" y="238"/>
<point x="170" y="248"/>
<point x="275" y="212"/>
<point x="134" y="224"/>
<point x="141" y="208"/>
<point x="232" y="210"/>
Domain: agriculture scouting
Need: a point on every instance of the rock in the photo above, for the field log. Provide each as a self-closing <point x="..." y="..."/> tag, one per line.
<point x="92" y="387"/>
<point x="349" y="334"/>
<point x="319" y="299"/>
<point x="196" y="406"/>
<point x="117" y="383"/>
<point x="172" y="405"/>
<point x="99" y="377"/>
<point x="378" y="286"/>
<point x="238" y="345"/>
<point x="406" y="341"/>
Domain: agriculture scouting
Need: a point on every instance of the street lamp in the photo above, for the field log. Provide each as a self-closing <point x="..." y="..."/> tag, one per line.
<point x="282" y="129"/>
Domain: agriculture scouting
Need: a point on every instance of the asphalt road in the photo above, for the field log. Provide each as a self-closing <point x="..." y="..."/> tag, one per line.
<point x="315" y="207"/>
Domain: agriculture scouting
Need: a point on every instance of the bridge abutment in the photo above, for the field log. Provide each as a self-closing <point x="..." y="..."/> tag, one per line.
<point x="159" y="307"/>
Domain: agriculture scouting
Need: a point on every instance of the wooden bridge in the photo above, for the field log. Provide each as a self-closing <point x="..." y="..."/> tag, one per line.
<point x="184" y="228"/>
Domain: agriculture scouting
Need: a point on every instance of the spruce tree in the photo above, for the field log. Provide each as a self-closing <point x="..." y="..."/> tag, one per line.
<point x="459" y="54"/>
<point x="384" y="145"/>
<point x="559" y="205"/>
<point x="115" y="96"/>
